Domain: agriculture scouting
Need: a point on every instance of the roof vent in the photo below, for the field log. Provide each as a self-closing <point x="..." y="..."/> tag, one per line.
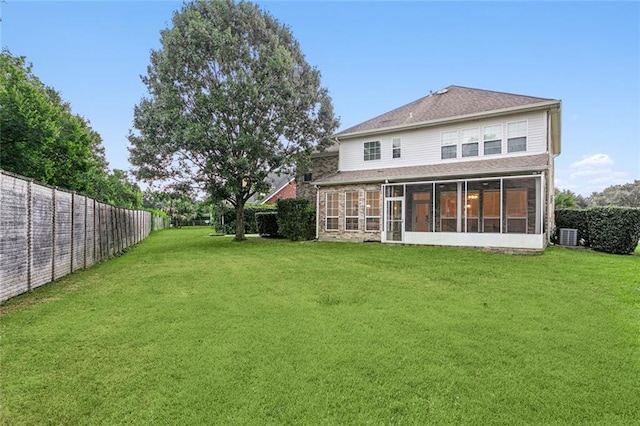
<point x="441" y="92"/>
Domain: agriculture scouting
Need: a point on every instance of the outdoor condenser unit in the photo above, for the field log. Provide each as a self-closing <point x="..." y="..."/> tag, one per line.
<point x="568" y="237"/>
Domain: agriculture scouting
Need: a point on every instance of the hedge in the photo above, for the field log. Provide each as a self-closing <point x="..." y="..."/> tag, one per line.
<point x="572" y="219"/>
<point x="250" y="226"/>
<point x="609" y="229"/>
<point x="267" y="224"/>
<point x="614" y="229"/>
<point x="296" y="219"/>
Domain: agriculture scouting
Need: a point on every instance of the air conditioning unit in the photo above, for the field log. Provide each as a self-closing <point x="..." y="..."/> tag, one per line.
<point x="568" y="237"/>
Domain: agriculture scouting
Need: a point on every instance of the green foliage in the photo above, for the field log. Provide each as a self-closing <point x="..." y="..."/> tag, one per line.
<point x="41" y="138"/>
<point x="190" y="329"/>
<point x="250" y="225"/>
<point x="232" y="99"/>
<point x="296" y="219"/>
<point x="158" y="213"/>
<point x="565" y="200"/>
<point x="614" y="229"/>
<point x="572" y="219"/>
<point x="627" y="195"/>
<point x="267" y="224"/>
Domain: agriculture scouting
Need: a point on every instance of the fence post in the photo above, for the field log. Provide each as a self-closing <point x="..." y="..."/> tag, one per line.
<point x="84" y="260"/>
<point x="73" y="206"/>
<point x="29" y="226"/>
<point x="53" y="233"/>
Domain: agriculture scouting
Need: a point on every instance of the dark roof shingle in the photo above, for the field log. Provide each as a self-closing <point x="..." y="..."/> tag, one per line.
<point x="484" y="167"/>
<point x="454" y="101"/>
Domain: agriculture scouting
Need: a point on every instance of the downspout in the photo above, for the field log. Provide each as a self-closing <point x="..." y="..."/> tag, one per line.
<point x="317" y="212"/>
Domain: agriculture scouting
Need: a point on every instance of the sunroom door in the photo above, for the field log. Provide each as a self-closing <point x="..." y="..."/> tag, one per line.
<point x="394" y="214"/>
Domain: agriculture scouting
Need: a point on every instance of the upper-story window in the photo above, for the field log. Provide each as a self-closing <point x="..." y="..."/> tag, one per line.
<point x="517" y="136"/>
<point x="372" y="150"/>
<point x="492" y="139"/>
<point x="470" y="140"/>
<point x="397" y="147"/>
<point x="449" y="144"/>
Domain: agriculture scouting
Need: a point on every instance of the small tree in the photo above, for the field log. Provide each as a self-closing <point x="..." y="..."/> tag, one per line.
<point x="232" y="99"/>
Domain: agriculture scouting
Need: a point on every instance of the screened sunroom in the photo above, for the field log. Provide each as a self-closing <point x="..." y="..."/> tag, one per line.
<point x="483" y="212"/>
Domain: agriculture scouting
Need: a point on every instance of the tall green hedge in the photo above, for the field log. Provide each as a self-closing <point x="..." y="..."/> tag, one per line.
<point x="267" y="223"/>
<point x="296" y="219"/>
<point x="608" y="229"/>
<point x="614" y="229"/>
<point x="572" y="219"/>
<point x="250" y="225"/>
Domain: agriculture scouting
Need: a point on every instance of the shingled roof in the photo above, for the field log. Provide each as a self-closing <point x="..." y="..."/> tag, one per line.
<point x="484" y="167"/>
<point x="448" y="103"/>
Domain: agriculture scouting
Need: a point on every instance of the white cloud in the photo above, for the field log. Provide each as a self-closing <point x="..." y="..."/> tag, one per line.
<point x="591" y="174"/>
<point x="594" y="160"/>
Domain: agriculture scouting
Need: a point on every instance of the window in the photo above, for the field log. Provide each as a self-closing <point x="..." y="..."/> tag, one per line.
<point x="397" y="146"/>
<point x="471" y="210"/>
<point x="372" y="211"/>
<point x="517" y="136"/>
<point x="449" y="144"/>
<point x="517" y="211"/>
<point x="306" y="177"/>
<point x="492" y="139"/>
<point x="491" y="211"/>
<point x="372" y="150"/>
<point x="332" y="211"/>
<point x="351" y="211"/>
<point x="449" y="211"/>
<point x="470" y="143"/>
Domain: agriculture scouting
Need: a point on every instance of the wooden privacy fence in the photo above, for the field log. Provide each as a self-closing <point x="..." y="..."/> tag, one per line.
<point x="46" y="233"/>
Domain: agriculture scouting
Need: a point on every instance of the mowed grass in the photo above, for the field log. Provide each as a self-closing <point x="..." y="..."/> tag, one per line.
<point x="191" y="329"/>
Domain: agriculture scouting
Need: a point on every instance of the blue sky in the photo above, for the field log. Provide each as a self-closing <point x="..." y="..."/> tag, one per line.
<point x="376" y="56"/>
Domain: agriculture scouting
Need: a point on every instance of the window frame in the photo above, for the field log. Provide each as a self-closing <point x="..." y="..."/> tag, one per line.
<point x="448" y="140"/>
<point x="336" y="208"/>
<point x="348" y="211"/>
<point x="396" y="148"/>
<point x="470" y="139"/>
<point x="372" y="151"/>
<point x="370" y="210"/>
<point x="518" y="135"/>
<point x="492" y="139"/>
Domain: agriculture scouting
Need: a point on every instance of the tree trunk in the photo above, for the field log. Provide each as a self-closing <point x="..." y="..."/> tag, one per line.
<point x="239" y="222"/>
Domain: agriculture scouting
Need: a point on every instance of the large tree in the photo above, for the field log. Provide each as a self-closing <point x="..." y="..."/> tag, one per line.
<point x="40" y="137"/>
<point x="232" y="99"/>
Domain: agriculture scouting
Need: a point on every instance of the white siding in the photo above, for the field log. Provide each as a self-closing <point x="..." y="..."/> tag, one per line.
<point x="423" y="146"/>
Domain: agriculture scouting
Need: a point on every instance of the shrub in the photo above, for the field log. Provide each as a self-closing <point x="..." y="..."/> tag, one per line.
<point x="573" y="219"/>
<point x="250" y="226"/>
<point x="614" y="229"/>
<point x="267" y="224"/>
<point x="296" y="219"/>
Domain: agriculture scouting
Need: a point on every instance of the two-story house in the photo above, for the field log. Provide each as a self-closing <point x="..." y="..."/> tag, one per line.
<point x="459" y="167"/>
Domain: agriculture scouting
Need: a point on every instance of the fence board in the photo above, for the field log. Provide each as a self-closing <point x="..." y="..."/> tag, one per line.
<point x="46" y="233"/>
<point x="13" y="237"/>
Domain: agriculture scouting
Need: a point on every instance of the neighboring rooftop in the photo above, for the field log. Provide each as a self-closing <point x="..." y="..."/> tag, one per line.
<point x="493" y="166"/>
<point x="454" y="101"/>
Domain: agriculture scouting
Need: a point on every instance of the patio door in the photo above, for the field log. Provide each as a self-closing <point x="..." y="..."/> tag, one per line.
<point x="394" y="213"/>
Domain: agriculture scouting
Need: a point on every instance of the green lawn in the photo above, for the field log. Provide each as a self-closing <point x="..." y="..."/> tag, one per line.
<point x="191" y="329"/>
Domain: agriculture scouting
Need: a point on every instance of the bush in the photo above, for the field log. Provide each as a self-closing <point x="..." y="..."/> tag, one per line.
<point x="296" y="219"/>
<point x="267" y="224"/>
<point x="572" y="219"/>
<point x="250" y="226"/>
<point x="614" y="229"/>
